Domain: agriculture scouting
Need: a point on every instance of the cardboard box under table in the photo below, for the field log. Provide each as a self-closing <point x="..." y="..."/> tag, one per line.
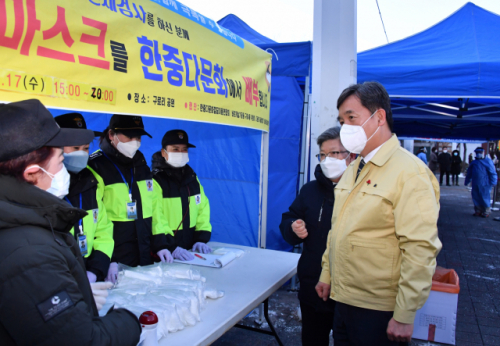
<point x="437" y="319"/>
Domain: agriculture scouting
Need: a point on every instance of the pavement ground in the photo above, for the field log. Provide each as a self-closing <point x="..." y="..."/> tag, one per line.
<point x="471" y="246"/>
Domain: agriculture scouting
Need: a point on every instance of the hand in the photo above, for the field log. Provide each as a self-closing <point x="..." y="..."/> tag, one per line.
<point x="112" y="273"/>
<point x="100" y="292"/>
<point x="91" y="276"/>
<point x="323" y="290"/>
<point x="182" y="254"/>
<point x="165" y="256"/>
<point x="299" y="228"/>
<point x="400" y="332"/>
<point x="201" y="247"/>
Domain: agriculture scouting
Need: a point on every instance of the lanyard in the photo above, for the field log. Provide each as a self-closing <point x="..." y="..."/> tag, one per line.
<point x="125" y="181"/>
<point x="79" y="221"/>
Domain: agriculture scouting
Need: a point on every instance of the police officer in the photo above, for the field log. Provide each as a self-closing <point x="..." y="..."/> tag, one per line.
<point x="94" y="233"/>
<point x="128" y="194"/>
<point x="185" y="207"/>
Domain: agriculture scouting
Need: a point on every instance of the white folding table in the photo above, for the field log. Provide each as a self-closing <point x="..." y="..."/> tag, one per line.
<point x="247" y="282"/>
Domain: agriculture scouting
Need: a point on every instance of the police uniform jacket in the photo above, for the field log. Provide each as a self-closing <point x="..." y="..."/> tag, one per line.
<point x="185" y="207"/>
<point x="96" y="226"/>
<point x="135" y="240"/>
<point x="45" y="296"/>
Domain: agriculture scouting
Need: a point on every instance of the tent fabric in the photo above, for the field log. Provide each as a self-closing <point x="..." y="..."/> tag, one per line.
<point x="444" y="81"/>
<point x="457" y="57"/>
<point x="227" y="162"/>
<point x="293" y="59"/>
<point x="285" y="124"/>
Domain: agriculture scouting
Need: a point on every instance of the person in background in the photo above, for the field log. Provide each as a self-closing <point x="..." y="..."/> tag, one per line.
<point x="381" y="251"/>
<point x="444" y="160"/>
<point x="433" y="161"/>
<point x="421" y="155"/>
<point x="126" y="183"/>
<point x="45" y="295"/>
<point x="456" y="167"/>
<point x="483" y="175"/>
<point x="308" y="221"/>
<point x="95" y="231"/>
<point x="185" y="210"/>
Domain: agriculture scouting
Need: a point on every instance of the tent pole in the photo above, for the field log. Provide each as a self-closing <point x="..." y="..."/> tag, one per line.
<point x="264" y="167"/>
<point x="303" y="149"/>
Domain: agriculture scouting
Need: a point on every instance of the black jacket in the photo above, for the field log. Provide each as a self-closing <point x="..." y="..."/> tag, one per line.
<point x="134" y="240"/>
<point x="444" y="160"/>
<point x="85" y="184"/>
<point x="313" y="205"/>
<point x="45" y="296"/>
<point x="456" y="164"/>
<point x="180" y="182"/>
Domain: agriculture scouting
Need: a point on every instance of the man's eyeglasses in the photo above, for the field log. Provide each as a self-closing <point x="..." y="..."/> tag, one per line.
<point x="334" y="154"/>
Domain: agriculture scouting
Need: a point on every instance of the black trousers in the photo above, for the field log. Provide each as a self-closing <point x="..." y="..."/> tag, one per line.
<point x="361" y="327"/>
<point x="316" y="326"/>
<point x="454" y="178"/>
<point x="443" y="171"/>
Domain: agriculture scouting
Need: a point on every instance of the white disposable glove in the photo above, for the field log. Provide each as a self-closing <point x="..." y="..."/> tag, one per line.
<point x="165" y="256"/>
<point x="201" y="247"/>
<point x="91" y="276"/>
<point x="100" y="292"/>
<point x="112" y="272"/>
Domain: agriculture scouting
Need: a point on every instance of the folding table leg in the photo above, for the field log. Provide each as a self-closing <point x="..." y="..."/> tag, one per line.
<point x="266" y="315"/>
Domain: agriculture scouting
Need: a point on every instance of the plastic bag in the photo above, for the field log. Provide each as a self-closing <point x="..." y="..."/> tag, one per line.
<point x="181" y="271"/>
<point x="185" y="296"/>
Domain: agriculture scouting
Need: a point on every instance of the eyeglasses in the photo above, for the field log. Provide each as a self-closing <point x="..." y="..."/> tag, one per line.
<point x="334" y="154"/>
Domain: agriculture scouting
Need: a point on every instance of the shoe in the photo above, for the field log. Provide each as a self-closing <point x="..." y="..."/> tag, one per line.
<point x="485" y="215"/>
<point x="448" y="185"/>
<point x="457" y="184"/>
<point x="476" y="214"/>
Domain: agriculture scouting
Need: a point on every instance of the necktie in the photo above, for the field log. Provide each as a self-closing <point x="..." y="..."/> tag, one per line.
<point x="361" y="165"/>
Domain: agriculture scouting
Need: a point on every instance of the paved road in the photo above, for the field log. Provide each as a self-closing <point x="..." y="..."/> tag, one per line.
<point x="471" y="246"/>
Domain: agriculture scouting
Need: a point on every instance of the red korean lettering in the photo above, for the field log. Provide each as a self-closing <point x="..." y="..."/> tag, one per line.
<point x="11" y="42"/>
<point x="60" y="27"/>
<point x="251" y="91"/>
<point x="34" y="25"/>
<point x="98" y="41"/>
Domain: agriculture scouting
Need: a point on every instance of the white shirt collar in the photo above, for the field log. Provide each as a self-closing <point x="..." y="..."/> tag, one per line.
<point x="372" y="153"/>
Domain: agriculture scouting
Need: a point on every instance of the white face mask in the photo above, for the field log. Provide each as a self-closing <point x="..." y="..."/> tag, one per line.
<point x="333" y="168"/>
<point x="177" y="159"/>
<point x="59" y="186"/>
<point x="353" y="137"/>
<point x="76" y="161"/>
<point x="445" y="150"/>
<point x="129" y="148"/>
<point x="479" y="156"/>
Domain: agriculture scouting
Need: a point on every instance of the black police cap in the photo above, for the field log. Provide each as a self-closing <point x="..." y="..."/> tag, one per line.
<point x="176" y="137"/>
<point x="26" y="126"/>
<point x="73" y="121"/>
<point x="129" y="125"/>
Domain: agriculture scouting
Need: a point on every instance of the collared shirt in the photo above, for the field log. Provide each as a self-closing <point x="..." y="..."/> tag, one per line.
<point x="372" y="153"/>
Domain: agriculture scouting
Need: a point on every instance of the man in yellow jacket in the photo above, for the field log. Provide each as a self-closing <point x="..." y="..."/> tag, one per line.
<point x="381" y="251"/>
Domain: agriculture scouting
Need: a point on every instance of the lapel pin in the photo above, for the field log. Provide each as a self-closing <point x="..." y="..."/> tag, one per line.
<point x="369" y="182"/>
<point x="375" y="185"/>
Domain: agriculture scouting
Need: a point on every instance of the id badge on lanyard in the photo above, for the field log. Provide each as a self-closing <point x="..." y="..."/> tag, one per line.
<point x="82" y="241"/>
<point x="132" y="204"/>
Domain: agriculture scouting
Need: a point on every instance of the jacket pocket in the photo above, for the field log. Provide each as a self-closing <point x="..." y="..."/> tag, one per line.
<point x="369" y="266"/>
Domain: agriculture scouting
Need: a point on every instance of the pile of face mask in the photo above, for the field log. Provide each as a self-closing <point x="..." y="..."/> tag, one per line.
<point x="175" y="292"/>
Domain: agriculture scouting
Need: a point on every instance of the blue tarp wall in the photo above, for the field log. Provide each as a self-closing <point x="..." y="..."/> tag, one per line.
<point x="285" y="121"/>
<point x="227" y="162"/>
